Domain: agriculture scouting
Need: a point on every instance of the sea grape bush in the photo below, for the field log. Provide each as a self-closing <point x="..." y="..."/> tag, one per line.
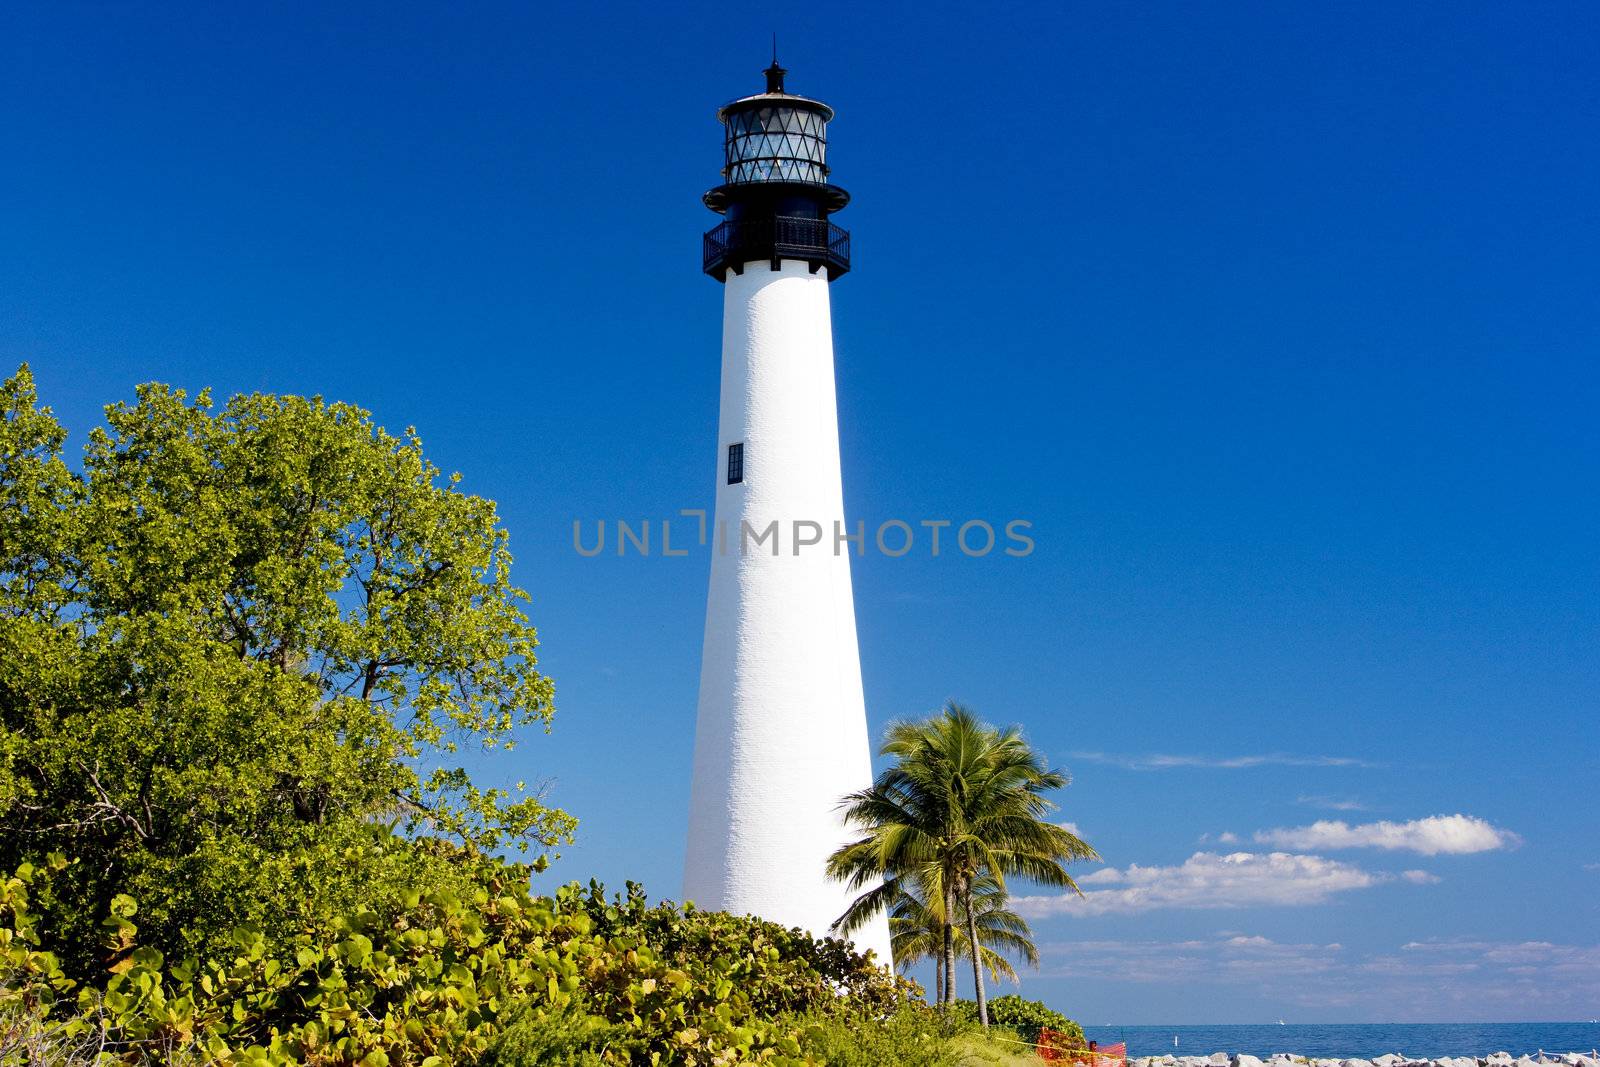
<point x="781" y="969"/>
<point x="499" y="977"/>
<point x="1027" y="1018"/>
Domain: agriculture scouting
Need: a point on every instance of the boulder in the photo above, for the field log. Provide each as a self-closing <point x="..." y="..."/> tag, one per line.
<point x="1356" y="1063"/>
<point x="1218" y="1059"/>
<point x="1243" y="1060"/>
<point x="1391" y="1059"/>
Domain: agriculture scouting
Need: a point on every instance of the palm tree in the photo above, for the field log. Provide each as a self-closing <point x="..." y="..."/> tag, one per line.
<point x="962" y="800"/>
<point x="916" y="931"/>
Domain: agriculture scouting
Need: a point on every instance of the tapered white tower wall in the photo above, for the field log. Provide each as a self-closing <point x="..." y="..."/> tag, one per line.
<point x="781" y="734"/>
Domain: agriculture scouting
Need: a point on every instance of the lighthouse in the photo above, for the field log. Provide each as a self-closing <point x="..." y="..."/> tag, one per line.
<point x="781" y="729"/>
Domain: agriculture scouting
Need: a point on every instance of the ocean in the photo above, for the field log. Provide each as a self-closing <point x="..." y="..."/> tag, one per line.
<point x="1354" y="1040"/>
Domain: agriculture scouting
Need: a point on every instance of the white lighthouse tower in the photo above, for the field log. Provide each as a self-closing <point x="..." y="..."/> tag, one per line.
<point x="781" y="734"/>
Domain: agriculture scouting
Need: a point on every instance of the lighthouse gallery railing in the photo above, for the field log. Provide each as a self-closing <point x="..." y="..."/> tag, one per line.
<point x="817" y="241"/>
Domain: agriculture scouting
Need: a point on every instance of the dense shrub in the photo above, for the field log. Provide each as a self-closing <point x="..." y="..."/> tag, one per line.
<point x="501" y="977"/>
<point x="913" y="1035"/>
<point x="1026" y="1018"/>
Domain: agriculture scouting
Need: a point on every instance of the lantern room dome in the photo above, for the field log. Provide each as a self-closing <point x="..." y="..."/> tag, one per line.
<point x="775" y="139"/>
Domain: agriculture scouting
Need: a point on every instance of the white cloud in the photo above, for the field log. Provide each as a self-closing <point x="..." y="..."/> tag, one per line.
<point x="1420" y="877"/>
<point x="1166" y="761"/>
<point x="1447" y="834"/>
<point x="1423" y="978"/>
<point x="1516" y="957"/>
<point x="1231" y="960"/>
<point x="1511" y="962"/>
<point x="1331" y="803"/>
<point x="1071" y="828"/>
<point x="1206" y="880"/>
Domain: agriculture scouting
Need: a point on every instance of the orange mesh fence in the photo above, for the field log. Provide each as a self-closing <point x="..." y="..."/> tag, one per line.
<point x="1050" y="1045"/>
<point x="1056" y="1047"/>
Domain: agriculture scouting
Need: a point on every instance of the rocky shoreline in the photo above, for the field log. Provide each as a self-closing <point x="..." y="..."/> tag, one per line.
<point x="1393" y="1059"/>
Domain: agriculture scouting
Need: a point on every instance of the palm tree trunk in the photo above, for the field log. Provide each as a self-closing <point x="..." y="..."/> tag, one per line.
<point x="938" y="977"/>
<point x="949" y="944"/>
<point x="977" y="967"/>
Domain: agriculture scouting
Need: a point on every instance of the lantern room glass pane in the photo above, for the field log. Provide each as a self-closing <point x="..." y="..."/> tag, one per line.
<point x="776" y="144"/>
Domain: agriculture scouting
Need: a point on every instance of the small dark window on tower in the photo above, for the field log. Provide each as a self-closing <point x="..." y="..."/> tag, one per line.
<point x="736" y="463"/>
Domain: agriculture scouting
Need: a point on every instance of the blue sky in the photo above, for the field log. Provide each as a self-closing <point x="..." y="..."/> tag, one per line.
<point x="1278" y="322"/>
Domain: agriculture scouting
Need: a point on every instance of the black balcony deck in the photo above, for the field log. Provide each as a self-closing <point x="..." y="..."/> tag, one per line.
<point x="816" y="241"/>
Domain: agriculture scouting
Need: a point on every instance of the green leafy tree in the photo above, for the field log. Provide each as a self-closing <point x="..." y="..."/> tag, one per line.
<point x="961" y="800"/>
<point x="241" y="653"/>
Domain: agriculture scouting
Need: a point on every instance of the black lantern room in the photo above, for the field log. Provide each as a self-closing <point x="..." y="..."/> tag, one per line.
<point x="775" y="193"/>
